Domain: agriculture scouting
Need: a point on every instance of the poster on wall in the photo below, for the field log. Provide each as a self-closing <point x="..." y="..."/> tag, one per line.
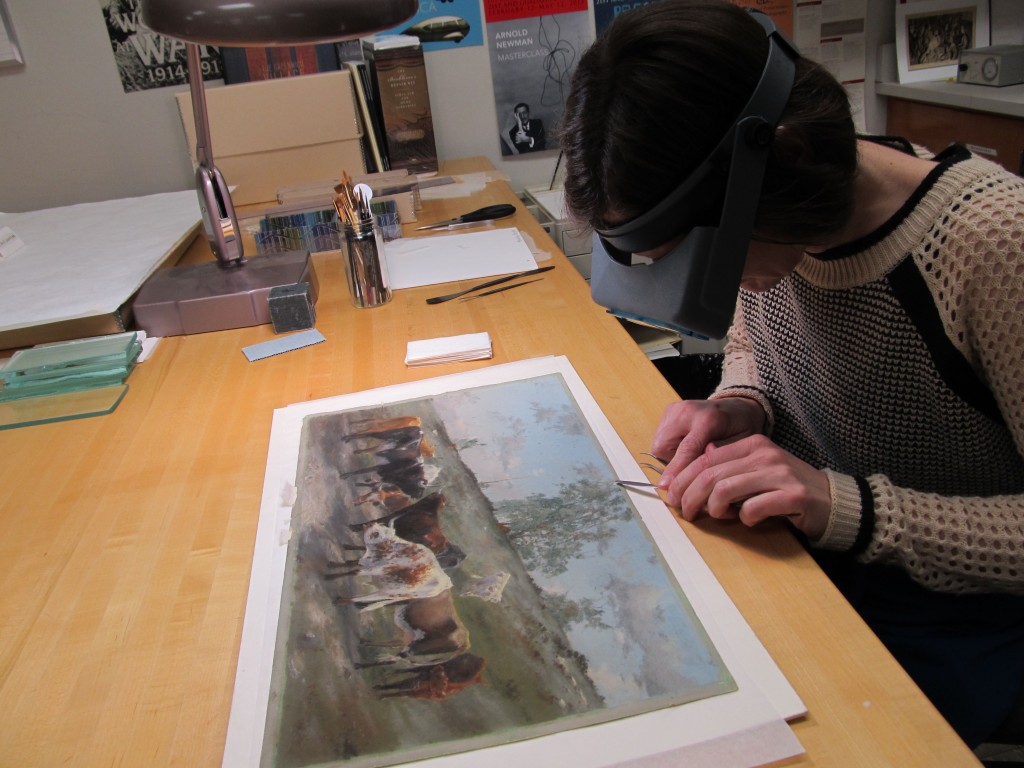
<point x="831" y="32"/>
<point x="534" y="48"/>
<point x="145" y="59"/>
<point x="441" y="24"/>
<point x="605" y="11"/>
<point x="781" y="11"/>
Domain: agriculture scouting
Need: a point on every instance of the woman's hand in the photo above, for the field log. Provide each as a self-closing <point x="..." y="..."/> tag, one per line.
<point x="753" y="479"/>
<point x="689" y="426"/>
<point x="723" y="467"/>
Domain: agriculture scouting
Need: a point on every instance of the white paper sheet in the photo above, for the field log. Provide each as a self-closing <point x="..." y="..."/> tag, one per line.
<point x="449" y="349"/>
<point x="416" y="261"/>
<point x="465" y="185"/>
<point x="733" y="730"/>
<point x="88" y="259"/>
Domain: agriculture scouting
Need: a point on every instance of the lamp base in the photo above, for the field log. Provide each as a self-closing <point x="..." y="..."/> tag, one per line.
<point x="208" y="297"/>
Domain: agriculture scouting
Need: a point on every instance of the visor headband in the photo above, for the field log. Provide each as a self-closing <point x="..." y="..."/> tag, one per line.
<point x="670" y="218"/>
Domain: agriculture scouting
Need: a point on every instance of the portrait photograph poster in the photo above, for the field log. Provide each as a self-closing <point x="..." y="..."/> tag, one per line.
<point x="534" y="47"/>
<point x="548" y="617"/>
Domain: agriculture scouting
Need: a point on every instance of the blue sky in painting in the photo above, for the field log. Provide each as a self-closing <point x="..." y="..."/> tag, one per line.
<point x="531" y="438"/>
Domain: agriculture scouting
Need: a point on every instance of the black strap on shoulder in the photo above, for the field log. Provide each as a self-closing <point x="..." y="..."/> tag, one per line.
<point x="912" y="292"/>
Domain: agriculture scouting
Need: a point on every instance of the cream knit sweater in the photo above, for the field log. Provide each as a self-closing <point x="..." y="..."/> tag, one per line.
<point x="896" y="363"/>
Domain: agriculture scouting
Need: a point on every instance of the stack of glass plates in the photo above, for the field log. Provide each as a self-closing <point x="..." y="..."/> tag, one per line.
<point x="70" y="379"/>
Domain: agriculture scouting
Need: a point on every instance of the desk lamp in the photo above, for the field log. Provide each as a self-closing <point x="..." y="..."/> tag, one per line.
<point x="232" y="292"/>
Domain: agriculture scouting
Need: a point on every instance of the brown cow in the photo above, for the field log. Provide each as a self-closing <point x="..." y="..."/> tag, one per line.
<point x="420" y="523"/>
<point x="410" y="476"/>
<point x="431" y="632"/>
<point x="436" y="681"/>
<point x="378" y="424"/>
<point x="399" y="430"/>
<point x="389" y="497"/>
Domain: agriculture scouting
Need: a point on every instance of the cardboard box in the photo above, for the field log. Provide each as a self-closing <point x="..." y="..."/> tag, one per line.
<point x="275" y="133"/>
<point x="548" y="207"/>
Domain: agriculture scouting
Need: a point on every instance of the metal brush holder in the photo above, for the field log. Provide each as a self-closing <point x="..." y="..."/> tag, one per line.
<point x="365" y="268"/>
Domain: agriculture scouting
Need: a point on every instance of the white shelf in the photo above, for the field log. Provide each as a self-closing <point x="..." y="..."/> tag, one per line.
<point x="1008" y="100"/>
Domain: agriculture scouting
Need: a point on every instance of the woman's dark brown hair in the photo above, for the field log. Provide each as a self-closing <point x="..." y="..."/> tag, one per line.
<point x="656" y="93"/>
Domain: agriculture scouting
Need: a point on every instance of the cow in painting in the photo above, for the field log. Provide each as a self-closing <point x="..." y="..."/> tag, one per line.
<point x="431" y="631"/>
<point x="399" y="570"/>
<point x="392" y="439"/>
<point x="420" y="522"/>
<point x="372" y="426"/>
<point x="390" y="497"/>
<point x="435" y="681"/>
<point x="410" y="476"/>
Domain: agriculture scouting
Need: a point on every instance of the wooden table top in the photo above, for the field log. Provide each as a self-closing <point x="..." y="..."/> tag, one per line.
<point x="128" y="538"/>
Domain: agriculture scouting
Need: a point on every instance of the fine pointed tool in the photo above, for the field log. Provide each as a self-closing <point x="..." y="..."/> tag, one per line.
<point x="483" y="215"/>
<point x="488" y="284"/>
<point x="499" y="290"/>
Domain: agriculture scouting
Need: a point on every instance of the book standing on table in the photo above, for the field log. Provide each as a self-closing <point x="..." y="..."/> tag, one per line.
<point x="398" y="83"/>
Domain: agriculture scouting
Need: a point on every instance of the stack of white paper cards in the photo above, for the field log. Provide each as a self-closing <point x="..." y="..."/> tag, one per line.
<point x="449" y="349"/>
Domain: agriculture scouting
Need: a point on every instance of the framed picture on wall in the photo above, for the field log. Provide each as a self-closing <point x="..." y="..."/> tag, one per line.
<point x="930" y="35"/>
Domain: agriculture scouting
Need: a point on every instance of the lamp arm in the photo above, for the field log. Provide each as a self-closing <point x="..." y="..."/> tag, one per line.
<point x="219" y="219"/>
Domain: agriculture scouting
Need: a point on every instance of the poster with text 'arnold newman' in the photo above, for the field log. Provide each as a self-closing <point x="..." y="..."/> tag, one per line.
<point x="534" y="48"/>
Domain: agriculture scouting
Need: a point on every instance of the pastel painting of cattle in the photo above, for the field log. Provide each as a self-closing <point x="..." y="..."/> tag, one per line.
<point x="462" y="573"/>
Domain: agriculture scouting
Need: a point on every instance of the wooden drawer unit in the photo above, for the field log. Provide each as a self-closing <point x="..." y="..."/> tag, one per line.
<point x="997" y="137"/>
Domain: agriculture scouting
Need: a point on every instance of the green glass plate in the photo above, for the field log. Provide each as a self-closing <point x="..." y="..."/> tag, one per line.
<point x="62" y="407"/>
<point x="118" y="349"/>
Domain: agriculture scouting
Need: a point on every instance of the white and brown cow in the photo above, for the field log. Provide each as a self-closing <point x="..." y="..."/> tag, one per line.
<point x="399" y="570"/>
<point x="420" y="523"/>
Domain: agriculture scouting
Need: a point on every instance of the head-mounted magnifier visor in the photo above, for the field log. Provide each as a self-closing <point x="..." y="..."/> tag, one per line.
<point x="692" y="289"/>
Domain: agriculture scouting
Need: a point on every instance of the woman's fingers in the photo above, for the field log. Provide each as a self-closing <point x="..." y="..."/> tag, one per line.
<point x="752" y="479"/>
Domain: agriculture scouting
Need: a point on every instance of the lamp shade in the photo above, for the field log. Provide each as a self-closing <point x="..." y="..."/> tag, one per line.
<point x="273" y="22"/>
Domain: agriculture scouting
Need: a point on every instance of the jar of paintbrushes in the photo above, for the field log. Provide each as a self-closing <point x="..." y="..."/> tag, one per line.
<point x="366" y="270"/>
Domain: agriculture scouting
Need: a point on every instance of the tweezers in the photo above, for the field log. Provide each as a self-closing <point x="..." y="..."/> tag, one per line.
<point x="499" y="290"/>
<point x="488" y="284"/>
<point x="639" y="483"/>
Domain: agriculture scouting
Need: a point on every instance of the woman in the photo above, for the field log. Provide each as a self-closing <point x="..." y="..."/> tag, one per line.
<point x="872" y="387"/>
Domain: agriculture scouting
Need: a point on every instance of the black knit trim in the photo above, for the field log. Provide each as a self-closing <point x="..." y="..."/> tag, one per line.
<point x="867" y="517"/>
<point x="953" y="153"/>
<point x="912" y="292"/>
<point x="895" y="142"/>
<point x="950" y="156"/>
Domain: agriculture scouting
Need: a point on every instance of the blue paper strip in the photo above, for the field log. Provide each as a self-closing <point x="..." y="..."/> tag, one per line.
<point x="283" y="344"/>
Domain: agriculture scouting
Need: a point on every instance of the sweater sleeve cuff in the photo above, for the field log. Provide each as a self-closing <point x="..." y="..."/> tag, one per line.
<point x="845" y="520"/>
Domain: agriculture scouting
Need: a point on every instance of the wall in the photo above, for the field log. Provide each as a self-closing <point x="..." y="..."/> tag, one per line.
<point x="1007" y="20"/>
<point x="69" y="133"/>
